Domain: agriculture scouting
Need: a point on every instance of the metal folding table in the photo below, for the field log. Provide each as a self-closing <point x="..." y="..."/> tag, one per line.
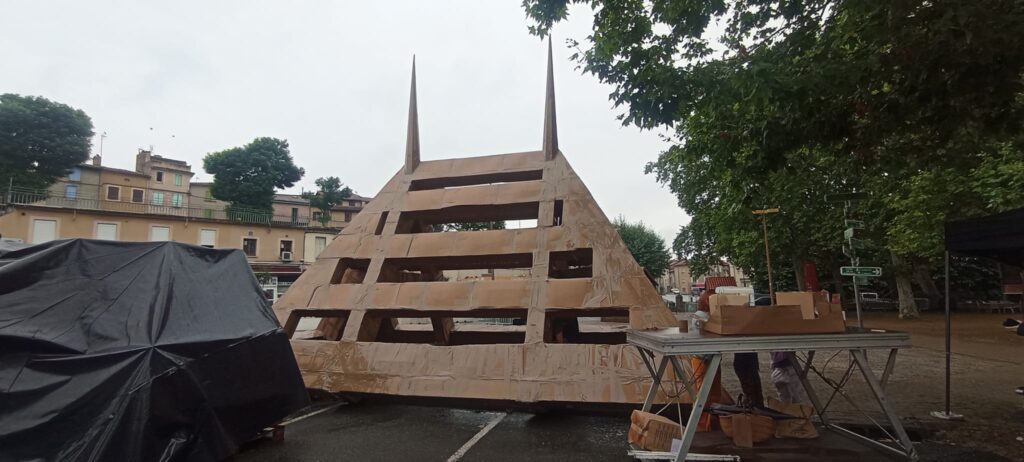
<point x="671" y="344"/>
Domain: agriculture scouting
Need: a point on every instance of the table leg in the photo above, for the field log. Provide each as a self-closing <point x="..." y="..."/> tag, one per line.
<point x="698" y="406"/>
<point x="647" y="357"/>
<point x="686" y="375"/>
<point x="876" y="388"/>
<point x="655" y="384"/>
<point x="889" y="365"/>
<point x="811" y="394"/>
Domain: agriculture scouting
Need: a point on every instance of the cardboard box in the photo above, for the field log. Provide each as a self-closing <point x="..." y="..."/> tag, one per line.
<point x="796" y="313"/>
<point x="798" y="427"/>
<point x="652" y="431"/>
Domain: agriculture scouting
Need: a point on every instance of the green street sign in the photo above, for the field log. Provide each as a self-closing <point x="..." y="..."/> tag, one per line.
<point x="848" y="234"/>
<point x="855" y="224"/>
<point x="872" y="271"/>
<point x="857" y="243"/>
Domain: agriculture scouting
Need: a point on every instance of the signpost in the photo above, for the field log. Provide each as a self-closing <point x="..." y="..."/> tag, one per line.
<point x="767" y="256"/>
<point x="851" y="245"/>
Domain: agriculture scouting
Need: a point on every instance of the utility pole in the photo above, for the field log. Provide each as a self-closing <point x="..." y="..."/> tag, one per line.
<point x="767" y="254"/>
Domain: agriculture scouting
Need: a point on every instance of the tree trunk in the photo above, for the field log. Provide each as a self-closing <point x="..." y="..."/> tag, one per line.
<point x="798" y="271"/>
<point x="923" y="277"/>
<point x="901" y="271"/>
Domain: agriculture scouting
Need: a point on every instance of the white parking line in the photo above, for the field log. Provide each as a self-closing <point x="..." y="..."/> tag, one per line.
<point x="311" y="414"/>
<point x="480" y="434"/>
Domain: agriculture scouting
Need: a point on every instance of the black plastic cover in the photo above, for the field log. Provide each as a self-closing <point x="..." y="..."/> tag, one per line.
<point x="154" y="351"/>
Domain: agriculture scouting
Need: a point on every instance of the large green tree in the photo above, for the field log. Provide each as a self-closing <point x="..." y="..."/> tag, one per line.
<point x="331" y="193"/>
<point x="776" y="103"/>
<point x="40" y="140"/>
<point x="647" y="247"/>
<point x="247" y="176"/>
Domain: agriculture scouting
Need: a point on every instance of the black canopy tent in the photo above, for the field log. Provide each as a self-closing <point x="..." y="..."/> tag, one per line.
<point x="999" y="237"/>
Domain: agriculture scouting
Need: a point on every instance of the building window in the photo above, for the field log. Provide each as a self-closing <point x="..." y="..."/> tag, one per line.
<point x="75" y="175"/>
<point x="295" y="214"/>
<point x="208" y="196"/>
<point x="158" y="198"/>
<point x="353" y="203"/>
<point x="317" y="215"/>
<point x="138" y="195"/>
<point x="177" y="179"/>
<point x="106" y="231"/>
<point x="43" y="230"/>
<point x="208" y="238"/>
<point x="319" y="244"/>
<point x="207" y="213"/>
<point x="286" y="247"/>
<point x="348" y="216"/>
<point x="71" y="191"/>
<point x="159" y="233"/>
<point x="159" y="177"/>
<point x="113" y="193"/>
<point x="177" y="199"/>
<point x="249" y="246"/>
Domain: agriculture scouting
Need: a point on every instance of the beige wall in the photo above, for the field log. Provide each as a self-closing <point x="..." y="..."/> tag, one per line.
<point x="309" y="247"/>
<point x="18" y="224"/>
<point x="284" y="209"/>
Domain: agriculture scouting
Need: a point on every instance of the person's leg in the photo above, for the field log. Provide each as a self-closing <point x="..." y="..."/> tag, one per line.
<point x="747" y="371"/>
<point x="795" y="388"/>
<point x="783" y="388"/>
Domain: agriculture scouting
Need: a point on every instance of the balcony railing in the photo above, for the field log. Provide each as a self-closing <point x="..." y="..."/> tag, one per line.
<point x="233" y="214"/>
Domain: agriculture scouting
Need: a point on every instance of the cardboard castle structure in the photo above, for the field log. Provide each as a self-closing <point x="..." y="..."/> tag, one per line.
<point x="389" y="267"/>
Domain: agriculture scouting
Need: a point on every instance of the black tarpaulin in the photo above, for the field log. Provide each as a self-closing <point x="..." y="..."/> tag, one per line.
<point x="999" y="237"/>
<point x="113" y="351"/>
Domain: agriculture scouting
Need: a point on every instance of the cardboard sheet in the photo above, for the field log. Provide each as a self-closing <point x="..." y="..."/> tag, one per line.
<point x="796" y="313"/>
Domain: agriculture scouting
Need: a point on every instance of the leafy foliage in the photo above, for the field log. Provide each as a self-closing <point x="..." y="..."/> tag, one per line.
<point x="40" y="140"/>
<point x="778" y="103"/>
<point x="331" y="193"/>
<point x="477" y="226"/>
<point x="247" y="176"/>
<point x="647" y="247"/>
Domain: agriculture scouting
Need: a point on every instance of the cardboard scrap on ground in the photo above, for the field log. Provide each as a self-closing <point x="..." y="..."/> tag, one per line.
<point x="800" y="427"/>
<point x="652" y="431"/>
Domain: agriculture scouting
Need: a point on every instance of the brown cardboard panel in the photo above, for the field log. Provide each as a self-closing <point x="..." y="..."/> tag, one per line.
<point x="424" y="200"/>
<point x="472" y="195"/>
<point x="447" y="294"/>
<point x="770" y="320"/>
<point x="432" y="244"/>
<point x="492" y="242"/>
<point x="501" y="294"/>
<point x="511" y="193"/>
<point x="568" y="293"/>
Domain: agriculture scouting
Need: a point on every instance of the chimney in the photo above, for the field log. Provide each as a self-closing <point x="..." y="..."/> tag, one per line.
<point x="97" y="160"/>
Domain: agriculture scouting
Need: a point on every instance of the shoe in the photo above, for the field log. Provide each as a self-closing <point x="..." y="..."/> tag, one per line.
<point x="1010" y="322"/>
<point x="1020" y="391"/>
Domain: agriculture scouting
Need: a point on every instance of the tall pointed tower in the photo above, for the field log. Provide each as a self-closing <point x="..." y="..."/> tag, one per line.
<point x="395" y="312"/>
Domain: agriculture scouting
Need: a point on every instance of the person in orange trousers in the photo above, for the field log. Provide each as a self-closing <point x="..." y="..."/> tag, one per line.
<point x="707" y="421"/>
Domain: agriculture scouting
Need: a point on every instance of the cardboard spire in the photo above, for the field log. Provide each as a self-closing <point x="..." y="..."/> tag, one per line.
<point x="550" y="124"/>
<point x="412" y="137"/>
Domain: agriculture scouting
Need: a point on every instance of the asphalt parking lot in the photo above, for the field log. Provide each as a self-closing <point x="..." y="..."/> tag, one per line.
<point x="397" y="432"/>
<point x="393" y="432"/>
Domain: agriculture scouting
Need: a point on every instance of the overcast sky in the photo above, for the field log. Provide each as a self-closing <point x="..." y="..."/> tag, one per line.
<point x="332" y="78"/>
